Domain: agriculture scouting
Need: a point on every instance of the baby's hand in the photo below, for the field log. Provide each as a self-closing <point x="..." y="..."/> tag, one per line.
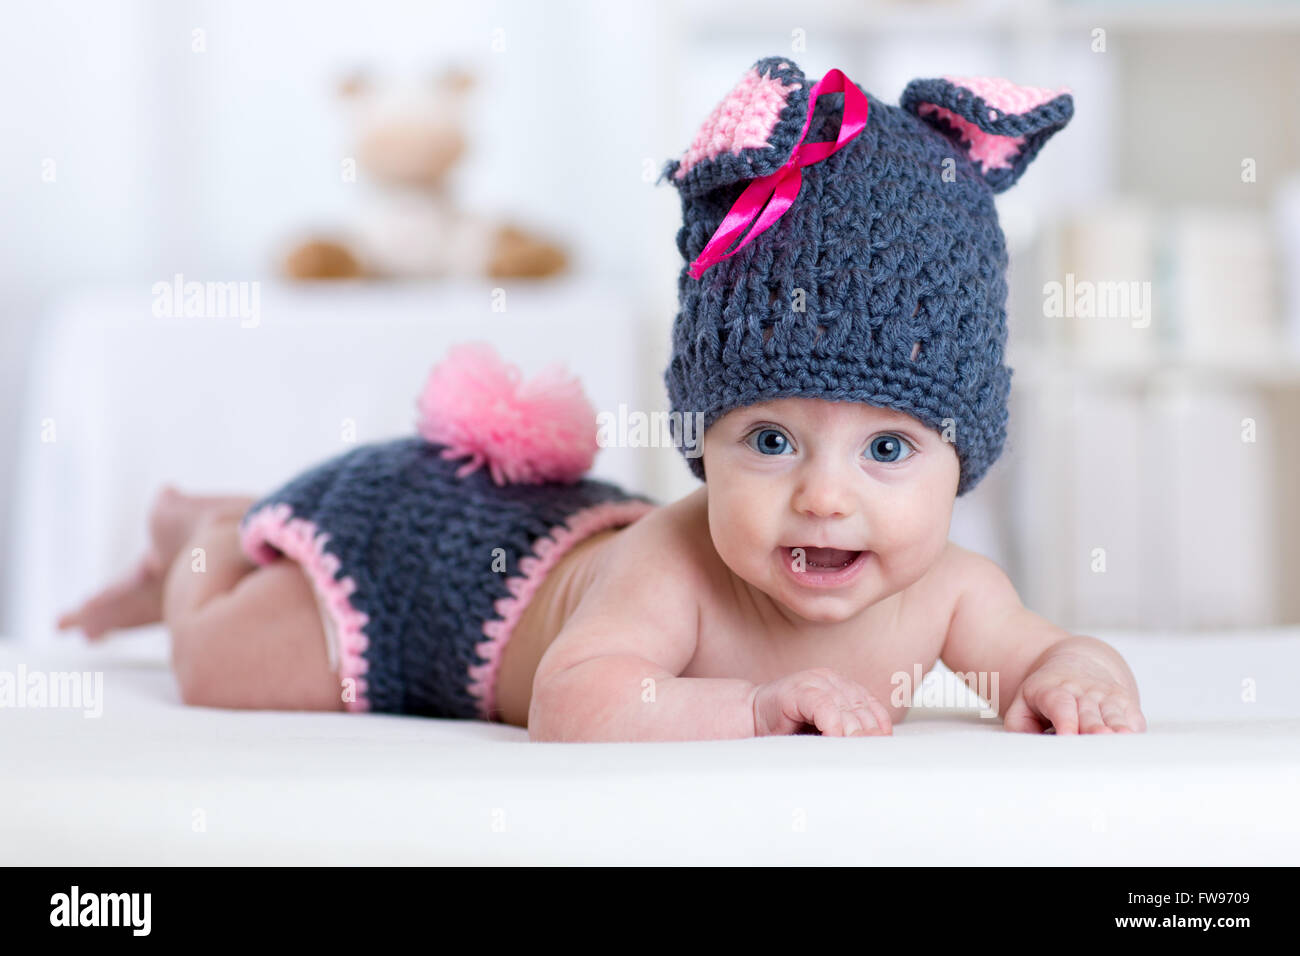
<point x="832" y="703"/>
<point x="1076" y="696"/>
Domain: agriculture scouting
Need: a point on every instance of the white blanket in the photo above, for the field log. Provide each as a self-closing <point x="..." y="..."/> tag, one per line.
<point x="1215" y="780"/>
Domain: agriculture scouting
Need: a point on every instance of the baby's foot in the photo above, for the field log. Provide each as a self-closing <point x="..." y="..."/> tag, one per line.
<point x="136" y="599"/>
<point x="133" y="601"/>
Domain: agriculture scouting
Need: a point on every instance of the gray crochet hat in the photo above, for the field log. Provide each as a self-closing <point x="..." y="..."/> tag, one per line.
<point x="881" y="278"/>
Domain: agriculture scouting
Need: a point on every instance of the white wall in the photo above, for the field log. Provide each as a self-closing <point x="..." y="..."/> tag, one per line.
<point x="210" y="163"/>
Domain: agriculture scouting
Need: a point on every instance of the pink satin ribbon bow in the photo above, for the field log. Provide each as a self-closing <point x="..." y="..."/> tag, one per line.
<point x="782" y="186"/>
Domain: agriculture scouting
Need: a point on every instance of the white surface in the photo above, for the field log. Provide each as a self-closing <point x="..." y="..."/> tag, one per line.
<point x="228" y="405"/>
<point x="1214" y="780"/>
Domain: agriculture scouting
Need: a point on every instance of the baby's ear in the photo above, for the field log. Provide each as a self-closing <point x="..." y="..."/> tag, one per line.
<point x="1000" y="126"/>
<point x="750" y="133"/>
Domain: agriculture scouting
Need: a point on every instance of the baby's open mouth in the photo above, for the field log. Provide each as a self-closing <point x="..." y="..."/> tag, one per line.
<point x="823" y="559"/>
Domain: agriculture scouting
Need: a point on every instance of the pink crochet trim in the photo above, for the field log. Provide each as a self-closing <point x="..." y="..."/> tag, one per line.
<point x="744" y="120"/>
<point x="989" y="149"/>
<point x="272" y="531"/>
<point x="1005" y="95"/>
<point x="547" y="552"/>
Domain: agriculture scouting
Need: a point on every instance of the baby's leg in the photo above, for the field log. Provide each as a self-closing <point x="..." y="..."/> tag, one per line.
<point x="136" y="598"/>
<point x="245" y="636"/>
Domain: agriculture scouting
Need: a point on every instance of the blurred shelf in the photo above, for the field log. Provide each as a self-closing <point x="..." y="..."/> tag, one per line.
<point x="1177" y="17"/>
<point x="737" y="18"/>
<point x="731" y="17"/>
<point x="1037" y="366"/>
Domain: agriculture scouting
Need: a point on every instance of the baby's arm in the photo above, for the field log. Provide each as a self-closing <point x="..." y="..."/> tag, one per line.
<point x="611" y="674"/>
<point x="1045" y="674"/>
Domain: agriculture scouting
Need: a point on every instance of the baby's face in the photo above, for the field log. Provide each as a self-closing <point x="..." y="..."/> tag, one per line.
<point x="874" y="484"/>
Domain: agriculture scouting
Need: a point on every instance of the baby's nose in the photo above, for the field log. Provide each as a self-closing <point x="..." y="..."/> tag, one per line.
<point x="822" y="493"/>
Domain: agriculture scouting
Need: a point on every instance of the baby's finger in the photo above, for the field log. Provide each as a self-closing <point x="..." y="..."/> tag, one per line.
<point x="860" y="697"/>
<point x="881" y="713"/>
<point x="1090" y="719"/>
<point x="1138" y="719"/>
<point x="866" y="719"/>
<point x="1133" y="719"/>
<point x="850" y="699"/>
<point x="810" y="706"/>
<point x="1114" y="710"/>
<point x="1021" y="719"/>
<point x="1060" y="707"/>
<point x="823" y="711"/>
<point x="858" y="703"/>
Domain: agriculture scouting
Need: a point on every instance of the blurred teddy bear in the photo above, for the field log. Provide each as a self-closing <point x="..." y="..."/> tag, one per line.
<point x="407" y="141"/>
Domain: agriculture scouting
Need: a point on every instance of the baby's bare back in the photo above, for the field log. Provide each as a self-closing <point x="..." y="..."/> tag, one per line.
<point x="657" y="602"/>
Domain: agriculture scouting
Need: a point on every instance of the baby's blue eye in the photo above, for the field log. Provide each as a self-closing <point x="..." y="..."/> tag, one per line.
<point x="769" y="442"/>
<point x="890" y="448"/>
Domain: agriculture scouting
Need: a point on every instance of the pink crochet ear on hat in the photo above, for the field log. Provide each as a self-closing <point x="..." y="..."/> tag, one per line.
<point x="999" y="124"/>
<point x="749" y="134"/>
<point x="743" y="120"/>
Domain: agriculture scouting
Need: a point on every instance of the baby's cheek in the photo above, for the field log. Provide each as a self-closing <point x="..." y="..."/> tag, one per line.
<point x="741" y="512"/>
<point x="908" y="549"/>
<point x="727" y="527"/>
<point x="736" y="533"/>
<point x="751" y="541"/>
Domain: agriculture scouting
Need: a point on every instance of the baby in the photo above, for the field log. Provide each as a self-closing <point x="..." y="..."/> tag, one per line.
<point x="843" y="366"/>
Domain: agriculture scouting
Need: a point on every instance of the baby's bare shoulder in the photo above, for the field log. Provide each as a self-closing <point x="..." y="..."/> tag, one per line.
<point x="661" y="552"/>
<point x="957" y="571"/>
<point x="962" y="578"/>
<point x="643" y="599"/>
<point x="965" y="568"/>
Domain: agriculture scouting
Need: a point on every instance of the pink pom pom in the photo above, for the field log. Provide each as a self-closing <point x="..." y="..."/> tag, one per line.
<point x="525" y="432"/>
